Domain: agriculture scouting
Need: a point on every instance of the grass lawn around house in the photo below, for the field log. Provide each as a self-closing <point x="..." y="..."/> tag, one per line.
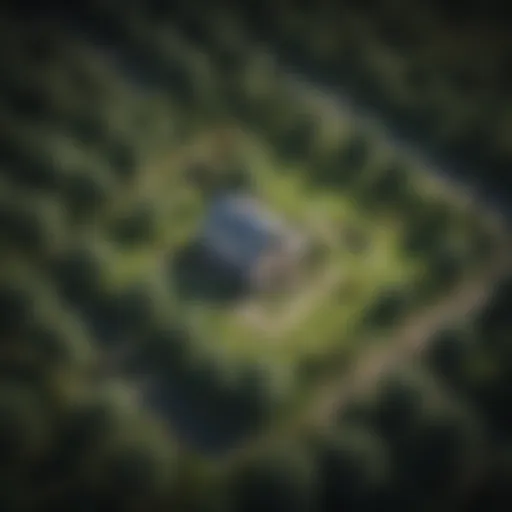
<point x="322" y="318"/>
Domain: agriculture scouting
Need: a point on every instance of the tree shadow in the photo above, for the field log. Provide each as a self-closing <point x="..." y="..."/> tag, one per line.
<point x="199" y="276"/>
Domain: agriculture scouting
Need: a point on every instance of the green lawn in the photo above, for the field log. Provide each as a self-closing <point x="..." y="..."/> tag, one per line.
<point x="328" y="313"/>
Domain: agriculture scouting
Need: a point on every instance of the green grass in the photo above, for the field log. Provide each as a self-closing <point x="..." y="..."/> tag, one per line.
<point x="333" y="319"/>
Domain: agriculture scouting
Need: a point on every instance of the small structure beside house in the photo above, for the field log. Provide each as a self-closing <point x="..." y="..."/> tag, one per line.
<point x="249" y="240"/>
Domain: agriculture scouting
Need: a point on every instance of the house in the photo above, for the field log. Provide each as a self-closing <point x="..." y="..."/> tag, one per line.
<point x="245" y="237"/>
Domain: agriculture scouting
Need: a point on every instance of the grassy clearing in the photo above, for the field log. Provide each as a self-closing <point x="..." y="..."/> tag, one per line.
<point x="325" y="313"/>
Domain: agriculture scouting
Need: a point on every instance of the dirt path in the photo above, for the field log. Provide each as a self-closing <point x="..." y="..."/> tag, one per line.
<point x="408" y="341"/>
<point x="296" y="309"/>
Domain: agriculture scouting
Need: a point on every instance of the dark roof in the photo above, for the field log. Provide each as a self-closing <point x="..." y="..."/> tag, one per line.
<point x="239" y="229"/>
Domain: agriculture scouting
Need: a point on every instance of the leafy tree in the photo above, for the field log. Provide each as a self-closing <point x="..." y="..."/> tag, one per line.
<point x="141" y="309"/>
<point x="389" y="306"/>
<point x="81" y="432"/>
<point x="494" y="318"/>
<point x="58" y="339"/>
<point x="391" y="187"/>
<point x="24" y="427"/>
<point x="255" y="398"/>
<point x="86" y="192"/>
<point x="88" y="127"/>
<point x="138" y="226"/>
<point x="448" y="352"/>
<point x="398" y="403"/>
<point x="296" y="142"/>
<point x="279" y="479"/>
<point x="34" y="229"/>
<point x="17" y="307"/>
<point x="427" y="225"/>
<point x="78" y="274"/>
<point x="342" y="165"/>
<point x="28" y="101"/>
<point x="440" y="451"/>
<point x="137" y="472"/>
<point x="167" y="347"/>
<point x="354" y="469"/>
<point x="122" y="159"/>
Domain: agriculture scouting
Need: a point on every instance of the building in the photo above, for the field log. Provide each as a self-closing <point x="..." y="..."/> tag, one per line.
<point x="244" y="236"/>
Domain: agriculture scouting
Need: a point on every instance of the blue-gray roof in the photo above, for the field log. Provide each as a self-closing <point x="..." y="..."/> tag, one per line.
<point x="239" y="229"/>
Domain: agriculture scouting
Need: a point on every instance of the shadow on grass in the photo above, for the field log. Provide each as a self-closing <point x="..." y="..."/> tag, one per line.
<point x="199" y="276"/>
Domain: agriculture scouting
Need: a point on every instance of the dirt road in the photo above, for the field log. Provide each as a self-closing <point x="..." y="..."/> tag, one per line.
<point x="408" y="341"/>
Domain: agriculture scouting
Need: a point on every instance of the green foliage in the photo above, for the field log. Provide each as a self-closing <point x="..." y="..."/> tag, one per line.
<point x="86" y="191"/>
<point x="400" y="448"/>
<point x="353" y="467"/>
<point x="23" y="427"/>
<point x="390" y="306"/>
<point x="282" y="478"/>
<point x="78" y="274"/>
<point x="34" y="229"/>
<point x="139" y="226"/>
<point x="17" y="307"/>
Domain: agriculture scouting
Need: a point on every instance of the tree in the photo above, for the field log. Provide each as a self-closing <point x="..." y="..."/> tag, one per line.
<point x="281" y="478"/>
<point x="448" y="352"/>
<point x="440" y="451"/>
<point x="88" y="127"/>
<point x="446" y="267"/>
<point x="34" y="229"/>
<point x="494" y="318"/>
<point x="81" y="432"/>
<point x="142" y="309"/>
<point x="167" y="348"/>
<point x="122" y="159"/>
<point x="86" y="192"/>
<point x="296" y="141"/>
<point x="28" y="101"/>
<point x="24" y="427"/>
<point x="79" y="275"/>
<point x="398" y="403"/>
<point x="256" y="398"/>
<point x="58" y="339"/>
<point x="137" y="472"/>
<point x="427" y="225"/>
<point x="137" y="227"/>
<point x="340" y="166"/>
<point x="354" y="469"/>
<point x="391" y="187"/>
<point x="17" y="307"/>
<point x="389" y="306"/>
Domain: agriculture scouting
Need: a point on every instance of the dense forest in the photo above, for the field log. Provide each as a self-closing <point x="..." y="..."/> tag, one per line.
<point x="94" y="365"/>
